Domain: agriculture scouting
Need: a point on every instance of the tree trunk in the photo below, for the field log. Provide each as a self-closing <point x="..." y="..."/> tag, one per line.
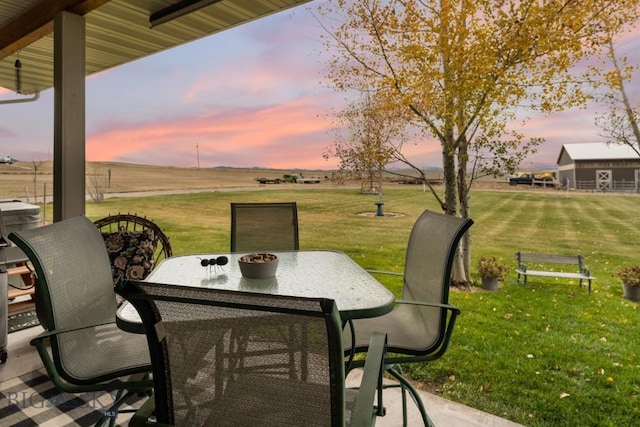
<point x="463" y="199"/>
<point x="459" y="273"/>
<point x="449" y="174"/>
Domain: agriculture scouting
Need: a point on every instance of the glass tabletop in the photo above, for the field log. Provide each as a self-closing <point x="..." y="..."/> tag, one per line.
<point x="319" y="274"/>
<point x="325" y="274"/>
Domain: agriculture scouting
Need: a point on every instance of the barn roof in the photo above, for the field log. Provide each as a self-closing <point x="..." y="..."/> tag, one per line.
<point x="597" y="151"/>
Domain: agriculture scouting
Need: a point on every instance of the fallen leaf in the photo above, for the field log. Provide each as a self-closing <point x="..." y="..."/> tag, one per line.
<point x="508" y="316"/>
<point x="529" y="356"/>
<point x="563" y="395"/>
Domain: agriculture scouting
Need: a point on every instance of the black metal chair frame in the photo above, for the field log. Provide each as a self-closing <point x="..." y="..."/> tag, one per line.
<point x="133" y="222"/>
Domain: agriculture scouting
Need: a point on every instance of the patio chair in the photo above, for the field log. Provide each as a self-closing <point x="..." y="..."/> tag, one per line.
<point x="203" y="374"/>
<point x="135" y="245"/>
<point x="420" y="327"/>
<point x="88" y="352"/>
<point x="264" y="227"/>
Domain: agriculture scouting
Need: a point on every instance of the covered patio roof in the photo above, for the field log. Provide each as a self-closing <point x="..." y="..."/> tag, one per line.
<point x="117" y="31"/>
<point x="57" y="43"/>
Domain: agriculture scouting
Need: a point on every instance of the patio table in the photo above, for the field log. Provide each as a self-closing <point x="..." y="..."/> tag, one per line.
<point x="316" y="273"/>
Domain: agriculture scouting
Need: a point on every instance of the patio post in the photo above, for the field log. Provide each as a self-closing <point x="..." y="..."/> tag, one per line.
<point x="69" y="116"/>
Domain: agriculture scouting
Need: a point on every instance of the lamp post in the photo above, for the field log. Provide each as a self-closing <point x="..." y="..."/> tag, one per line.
<point x="198" y="155"/>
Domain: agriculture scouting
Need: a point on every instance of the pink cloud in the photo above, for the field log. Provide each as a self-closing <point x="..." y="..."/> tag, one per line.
<point x="283" y="135"/>
<point x="5" y="133"/>
<point x="247" y="97"/>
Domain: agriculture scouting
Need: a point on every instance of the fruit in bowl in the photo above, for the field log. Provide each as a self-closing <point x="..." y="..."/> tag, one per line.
<point x="258" y="266"/>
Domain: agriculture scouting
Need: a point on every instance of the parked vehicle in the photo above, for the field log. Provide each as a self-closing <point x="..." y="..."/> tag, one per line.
<point x="6" y="159"/>
<point x="298" y="178"/>
<point x="263" y="180"/>
<point x="524" y="179"/>
<point x="542" y="179"/>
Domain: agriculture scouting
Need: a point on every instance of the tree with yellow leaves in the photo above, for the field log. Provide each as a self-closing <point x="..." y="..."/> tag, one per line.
<point x="468" y="69"/>
<point x="621" y="123"/>
<point x="364" y="140"/>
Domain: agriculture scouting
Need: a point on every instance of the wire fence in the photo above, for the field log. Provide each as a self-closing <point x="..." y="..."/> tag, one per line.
<point x="613" y="186"/>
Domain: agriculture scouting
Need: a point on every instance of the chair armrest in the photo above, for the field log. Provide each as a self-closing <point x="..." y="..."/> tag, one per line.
<point x="430" y="304"/>
<point x="43" y="350"/>
<point x="455" y="312"/>
<point x="364" y="413"/>
<point x="390" y="273"/>
<point x="141" y="416"/>
<point x="47" y="334"/>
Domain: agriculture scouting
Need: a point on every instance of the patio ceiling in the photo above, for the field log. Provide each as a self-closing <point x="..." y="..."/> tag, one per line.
<point x="117" y="31"/>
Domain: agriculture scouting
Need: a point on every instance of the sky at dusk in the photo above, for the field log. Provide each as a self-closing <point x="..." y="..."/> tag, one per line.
<point x="248" y="97"/>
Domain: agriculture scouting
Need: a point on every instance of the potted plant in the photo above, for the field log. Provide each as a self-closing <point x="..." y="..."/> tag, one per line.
<point x="630" y="277"/>
<point x="492" y="272"/>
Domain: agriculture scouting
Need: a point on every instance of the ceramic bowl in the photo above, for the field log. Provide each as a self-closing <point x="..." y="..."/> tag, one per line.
<point x="258" y="266"/>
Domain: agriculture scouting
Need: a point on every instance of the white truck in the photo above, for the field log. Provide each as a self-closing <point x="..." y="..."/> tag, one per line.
<point x="298" y="178"/>
<point x="301" y="180"/>
<point x="6" y="159"/>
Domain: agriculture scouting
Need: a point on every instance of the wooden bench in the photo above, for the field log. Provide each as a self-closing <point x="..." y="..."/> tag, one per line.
<point x="523" y="258"/>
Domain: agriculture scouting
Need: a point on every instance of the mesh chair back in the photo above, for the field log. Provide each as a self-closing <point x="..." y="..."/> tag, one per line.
<point x="208" y="370"/>
<point x="430" y="255"/>
<point x="74" y="278"/>
<point x="264" y="227"/>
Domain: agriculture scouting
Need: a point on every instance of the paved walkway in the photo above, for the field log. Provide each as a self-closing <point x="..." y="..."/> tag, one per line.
<point x="443" y="413"/>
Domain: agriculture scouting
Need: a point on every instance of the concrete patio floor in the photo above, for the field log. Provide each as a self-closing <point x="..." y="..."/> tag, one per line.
<point x="23" y="358"/>
<point x="442" y="412"/>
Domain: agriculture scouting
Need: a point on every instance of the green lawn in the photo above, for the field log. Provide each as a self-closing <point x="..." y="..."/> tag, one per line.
<point x="547" y="355"/>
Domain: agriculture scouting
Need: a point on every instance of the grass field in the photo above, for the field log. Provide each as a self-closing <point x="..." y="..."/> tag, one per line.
<point x="546" y="355"/>
<point x="17" y="179"/>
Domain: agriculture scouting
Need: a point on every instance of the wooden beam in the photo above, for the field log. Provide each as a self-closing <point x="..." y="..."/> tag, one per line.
<point x="37" y="22"/>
